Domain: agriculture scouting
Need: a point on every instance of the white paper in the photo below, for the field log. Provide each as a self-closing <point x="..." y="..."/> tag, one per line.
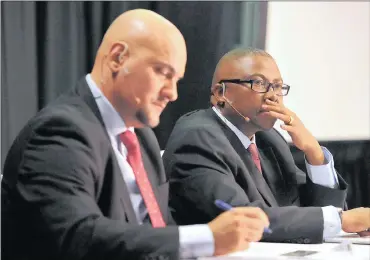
<point x="354" y="238"/>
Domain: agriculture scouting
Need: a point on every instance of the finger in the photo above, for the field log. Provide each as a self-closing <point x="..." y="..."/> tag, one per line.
<point x="253" y="224"/>
<point x="243" y="245"/>
<point x="288" y="128"/>
<point x="274" y="103"/>
<point x="249" y="229"/>
<point x="253" y="232"/>
<point x="253" y="236"/>
<point x="282" y="117"/>
<point x="252" y="212"/>
<point x="244" y="226"/>
<point x="364" y="234"/>
<point x="275" y="108"/>
<point x="269" y="102"/>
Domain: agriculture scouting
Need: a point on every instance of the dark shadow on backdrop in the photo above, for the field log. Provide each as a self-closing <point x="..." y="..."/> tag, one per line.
<point x="352" y="161"/>
<point x="210" y="29"/>
<point x="48" y="46"/>
<point x="45" y="48"/>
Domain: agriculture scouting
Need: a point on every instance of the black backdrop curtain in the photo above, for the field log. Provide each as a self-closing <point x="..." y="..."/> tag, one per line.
<point x="47" y="46"/>
<point x="352" y="161"/>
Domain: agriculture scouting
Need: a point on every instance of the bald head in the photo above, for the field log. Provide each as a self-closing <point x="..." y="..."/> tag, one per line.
<point x="138" y="30"/>
<point x="142" y="28"/>
<point x="230" y="59"/>
<point x="138" y="64"/>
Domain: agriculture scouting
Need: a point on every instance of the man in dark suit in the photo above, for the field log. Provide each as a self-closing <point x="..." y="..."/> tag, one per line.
<point x="84" y="179"/>
<point x="232" y="152"/>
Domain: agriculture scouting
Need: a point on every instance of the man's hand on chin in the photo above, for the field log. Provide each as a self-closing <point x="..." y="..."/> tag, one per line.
<point x="301" y="136"/>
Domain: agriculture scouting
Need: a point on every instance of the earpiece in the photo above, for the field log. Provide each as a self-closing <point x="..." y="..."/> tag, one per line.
<point x="125" y="70"/>
<point x="223" y="89"/>
<point x="222" y="103"/>
<point x="120" y="56"/>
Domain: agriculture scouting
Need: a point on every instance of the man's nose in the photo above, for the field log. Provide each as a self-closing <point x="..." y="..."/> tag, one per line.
<point x="271" y="95"/>
<point x="170" y="91"/>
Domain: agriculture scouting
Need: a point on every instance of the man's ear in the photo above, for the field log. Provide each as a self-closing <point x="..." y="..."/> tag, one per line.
<point x="118" y="54"/>
<point x="217" y="90"/>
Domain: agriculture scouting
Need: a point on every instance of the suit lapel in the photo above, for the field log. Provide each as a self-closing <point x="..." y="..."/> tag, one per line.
<point x="281" y="173"/>
<point x="272" y="174"/>
<point x="250" y="167"/>
<point x="259" y="179"/>
<point x="83" y="90"/>
<point x="125" y="196"/>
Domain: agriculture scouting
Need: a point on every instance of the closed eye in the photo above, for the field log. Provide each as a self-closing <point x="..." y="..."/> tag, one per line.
<point x="164" y="71"/>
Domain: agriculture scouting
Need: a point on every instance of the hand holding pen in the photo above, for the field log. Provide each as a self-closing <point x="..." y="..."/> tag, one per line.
<point x="234" y="229"/>
<point x="225" y="207"/>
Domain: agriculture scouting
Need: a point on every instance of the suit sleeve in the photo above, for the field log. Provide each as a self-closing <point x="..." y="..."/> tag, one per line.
<point x="57" y="184"/>
<point x="313" y="194"/>
<point x="203" y="169"/>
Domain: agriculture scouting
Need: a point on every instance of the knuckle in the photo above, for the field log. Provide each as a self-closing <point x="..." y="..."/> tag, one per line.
<point x="259" y="223"/>
<point x="256" y="236"/>
<point x="259" y="235"/>
<point x="236" y="222"/>
<point x="261" y="213"/>
<point x="237" y="235"/>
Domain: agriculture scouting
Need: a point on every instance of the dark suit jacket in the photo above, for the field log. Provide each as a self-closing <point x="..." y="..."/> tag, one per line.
<point x="63" y="195"/>
<point x="206" y="161"/>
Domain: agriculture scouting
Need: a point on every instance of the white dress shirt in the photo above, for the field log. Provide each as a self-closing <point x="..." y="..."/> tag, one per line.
<point x="323" y="175"/>
<point x="195" y="240"/>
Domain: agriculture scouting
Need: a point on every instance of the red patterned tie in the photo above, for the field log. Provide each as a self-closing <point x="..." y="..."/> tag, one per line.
<point x="254" y="152"/>
<point x="131" y="142"/>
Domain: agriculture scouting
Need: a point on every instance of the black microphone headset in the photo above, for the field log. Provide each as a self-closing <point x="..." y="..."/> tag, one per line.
<point x="222" y="91"/>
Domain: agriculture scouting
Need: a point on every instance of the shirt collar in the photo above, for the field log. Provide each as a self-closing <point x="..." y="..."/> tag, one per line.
<point x="242" y="137"/>
<point x="112" y="120"/>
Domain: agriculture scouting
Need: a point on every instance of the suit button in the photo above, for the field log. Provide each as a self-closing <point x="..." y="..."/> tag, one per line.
<point x="288" y="241"/>
<point x="306" y="241"/>
<point x="300" y="240"/>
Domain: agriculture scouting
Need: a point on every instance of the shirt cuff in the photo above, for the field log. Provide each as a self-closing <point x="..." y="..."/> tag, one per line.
<point x="196" y="241"/>
<point x="332" y="223"/>
<point x="324" y="175"/>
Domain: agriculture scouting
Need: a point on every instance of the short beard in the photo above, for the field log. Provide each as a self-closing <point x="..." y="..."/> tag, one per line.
<point x="141" y="116"/>
<point x="260" y="127"/>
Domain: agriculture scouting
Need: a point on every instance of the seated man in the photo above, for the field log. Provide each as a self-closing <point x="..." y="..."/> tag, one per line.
<point x="84" y="179"/>
<point x="231" y="152"/>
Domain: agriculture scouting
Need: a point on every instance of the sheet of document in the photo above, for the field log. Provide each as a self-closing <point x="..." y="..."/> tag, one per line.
<point x="270" y="251"/>
<point x="349" y="237"/>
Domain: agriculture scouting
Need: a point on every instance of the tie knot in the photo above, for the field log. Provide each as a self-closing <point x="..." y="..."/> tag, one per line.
<point x="254" y="153"/>
<point x="129" y="139"/>
<point x="253" y="149"/>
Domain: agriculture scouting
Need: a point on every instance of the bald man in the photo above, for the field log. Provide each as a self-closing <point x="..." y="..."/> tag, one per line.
<point x="84" y="179"/>
<point x="232" y="152"/>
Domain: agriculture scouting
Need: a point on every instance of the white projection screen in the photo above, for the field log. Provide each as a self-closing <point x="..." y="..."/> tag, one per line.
<point x="322" y="49"/>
